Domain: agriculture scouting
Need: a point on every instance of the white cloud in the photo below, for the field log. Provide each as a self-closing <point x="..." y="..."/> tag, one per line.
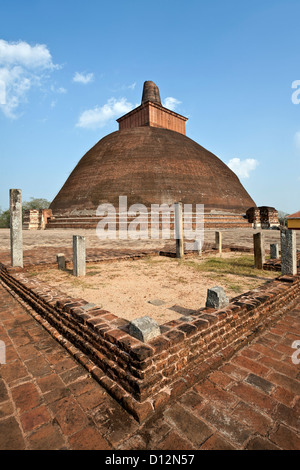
<point x="83" y="78"/>
<point x="21" y="53"/>
<point x="22" y="67"/>
<point x="171" y="103"/>
<point x="59" y="90"/>
<point x="242" y="168"/>
<point x="99" y="116"/>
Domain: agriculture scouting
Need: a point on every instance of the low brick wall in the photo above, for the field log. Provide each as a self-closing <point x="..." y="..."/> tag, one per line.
<point x="144" y="376"/>
<point x="275" y="264"/>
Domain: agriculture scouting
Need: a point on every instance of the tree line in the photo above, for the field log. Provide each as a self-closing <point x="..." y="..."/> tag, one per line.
<point x="34" y="203"/>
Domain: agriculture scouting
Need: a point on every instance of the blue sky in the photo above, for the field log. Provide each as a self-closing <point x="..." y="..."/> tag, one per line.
<point x="69" y="69"/>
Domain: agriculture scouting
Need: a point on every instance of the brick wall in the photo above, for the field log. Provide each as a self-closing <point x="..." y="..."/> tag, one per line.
<point x="155" y="115"/>
<point x="264" y="216"/>
<point x="211" y="220"/>
<point x="143" y="376"/>
<point x="36" y="219"/>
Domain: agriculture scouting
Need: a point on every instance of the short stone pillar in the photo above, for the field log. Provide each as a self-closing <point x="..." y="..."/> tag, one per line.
<point x="144" y="328"/>
<point x="288" y="252"/>
<point x="274" y="251"/>
<point x="216" y="298"/>
<point x="259" y="250"/>
<point x="179" y="230"/>
<point x="2" y="352"/>
<point x="16" y="235"/>
<point x="198" y="246"/>
<point x="218" y="241"/>
<point x="61" y="261"/>
<point x="79" y="257"/>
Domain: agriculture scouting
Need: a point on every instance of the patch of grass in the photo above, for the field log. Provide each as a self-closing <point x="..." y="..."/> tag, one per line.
<point x="113" y="276"/>
<point x="81" y="284"/>
<point x="92" y="266"/>
<point x="240" y="266"/>
<point x="237" y="288"/>
<point x="179" y="280"/>
<point x="32" y="274"/>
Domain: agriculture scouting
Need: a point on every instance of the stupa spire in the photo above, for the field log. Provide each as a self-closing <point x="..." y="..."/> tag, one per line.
<point x="150" y="92"/>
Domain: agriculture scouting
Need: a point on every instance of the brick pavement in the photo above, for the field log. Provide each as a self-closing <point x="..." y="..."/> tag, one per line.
<point x="49" y="401"/>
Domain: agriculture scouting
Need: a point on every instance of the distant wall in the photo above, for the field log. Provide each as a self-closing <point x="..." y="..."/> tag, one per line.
<point x="264" y="217"/>
<point x="36" y="219"/>
<point x="293" y="224"/>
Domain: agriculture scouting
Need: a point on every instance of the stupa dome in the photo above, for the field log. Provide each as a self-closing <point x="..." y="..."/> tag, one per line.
<point x="151" y="161"/>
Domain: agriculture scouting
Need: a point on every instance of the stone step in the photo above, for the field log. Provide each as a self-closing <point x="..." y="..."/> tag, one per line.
<point x="96" y="218"/>
<point x="94" y="226"/>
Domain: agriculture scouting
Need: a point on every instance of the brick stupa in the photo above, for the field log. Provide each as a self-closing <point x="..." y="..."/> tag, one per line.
<point x="151" y="161"/>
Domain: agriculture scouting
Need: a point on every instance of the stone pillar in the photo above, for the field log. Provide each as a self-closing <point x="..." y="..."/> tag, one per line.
<point x="274" y="251"/>
<point x="2" y="352"/>
<point x="79" y="258"/>
<point x="16" y="235"/>
<point x="288" y="252"/>
<point x="144" y="328"/>
<point x="218" y="241"/>
<point x="198" y="246"/>
<point x="179" y="230"/>
<point x="259" y="250"/>
<point x="216" y="298"/>
<point x="61" y="261"/>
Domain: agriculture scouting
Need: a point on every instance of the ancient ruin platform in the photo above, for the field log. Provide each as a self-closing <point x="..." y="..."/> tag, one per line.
<point x="144" y="377"/>
<point x="251" y="402"/>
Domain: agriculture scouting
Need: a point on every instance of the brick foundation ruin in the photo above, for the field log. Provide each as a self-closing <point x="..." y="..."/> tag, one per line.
<point x="44" y="219"/>
<point x="263" y="217"/>
<point x="36" y="219"/>
<point x="142" y="377"/>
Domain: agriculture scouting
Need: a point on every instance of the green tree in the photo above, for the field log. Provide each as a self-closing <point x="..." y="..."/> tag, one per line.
<point x="4" y="219"/>
<point x="34" y="203"/>
<point x="282" y="216"/>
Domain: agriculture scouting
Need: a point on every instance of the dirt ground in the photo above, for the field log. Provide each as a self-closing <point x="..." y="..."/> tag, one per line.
<point x="160" y="287"/>
<point x="63" y="237"/>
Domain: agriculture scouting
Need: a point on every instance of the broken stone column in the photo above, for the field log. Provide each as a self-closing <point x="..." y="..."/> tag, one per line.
<point x="259" y="250"/>
<point x="61" y="261"/>
<point x="79" y="257"/>
<point x="144" y="328"/>
<point x="288" y="252"/>
<point x="16" y="235"/>
<point x="274" y="251"/>
<point x="218" y="241"/>
<point x="216" y="298"/>
<point x="179" y="230"/>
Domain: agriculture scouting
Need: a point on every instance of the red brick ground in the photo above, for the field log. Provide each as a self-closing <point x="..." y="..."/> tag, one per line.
<point x="48" y="401"/>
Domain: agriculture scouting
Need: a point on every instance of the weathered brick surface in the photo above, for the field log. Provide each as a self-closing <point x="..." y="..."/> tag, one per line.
<point x="141" y="370"/>
<point x="65" y="408"/>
